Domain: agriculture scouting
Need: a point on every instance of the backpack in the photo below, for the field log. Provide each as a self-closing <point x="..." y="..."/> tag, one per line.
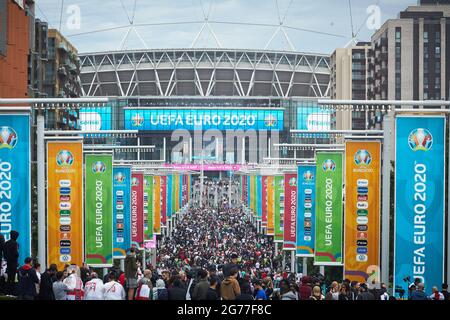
<point x="160" y="294"/>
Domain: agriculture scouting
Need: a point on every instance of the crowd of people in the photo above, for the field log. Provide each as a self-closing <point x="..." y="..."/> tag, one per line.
<point x="213" y="253"/>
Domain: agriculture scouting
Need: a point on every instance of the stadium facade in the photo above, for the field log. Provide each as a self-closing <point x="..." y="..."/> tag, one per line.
<point x="162" y="90"/>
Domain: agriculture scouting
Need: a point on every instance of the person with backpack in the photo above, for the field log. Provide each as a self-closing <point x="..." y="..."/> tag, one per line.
<point x="28" y="279"/>
<point x="160" y="292"/>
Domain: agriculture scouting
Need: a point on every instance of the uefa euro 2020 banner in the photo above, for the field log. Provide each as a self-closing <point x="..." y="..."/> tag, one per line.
<point x="362" y="210"/>
<point x="270" y="205"/>
<point x="15" y="180"/>
<point x="98" y="210"/>
<point x="157" y="205"/>
<point x="279" y="207"/>
<point x="328" y="240"/>
<point x="306" y="210"/>
<point x="121" y="211"/>
<point x="64" y="203"/>
<point x="163" y="201"/>
<point x="258" y="197"/>
<point x="148" y="208"/>
<point x="290" y="214"/>
<point x="137" y="209"/>
<point x="419" y="201"/>
<point x="264" y="202"/>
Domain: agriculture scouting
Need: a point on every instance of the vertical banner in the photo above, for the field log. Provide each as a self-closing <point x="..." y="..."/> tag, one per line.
<point x="98" y="210"/>
<point x="169" y="197"/>
<point x="258" y="197"/>
<point x="362" y="209"/>
<point x="164" y="201"/>
<point x="328" y="235"/>
<point x="419" y="201"/>
<point x="157" y="204"/>
<point x="15" y="180"/>
<point x="279" y="208"/>
<point x="148" y="208"/>
<point x="137" y="209"/>
<point x="264" y="201"/>
<point x="270" y="206"/>
<point x="306" y="210"/>
<point x="121" y="211"/>
<point x="290" y="216"/>
<point x="64" y="203"/>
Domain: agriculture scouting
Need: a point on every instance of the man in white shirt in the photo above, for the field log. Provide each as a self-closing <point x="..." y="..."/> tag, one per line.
<point x="113" y="290"/>
<point x="93" y="289"/>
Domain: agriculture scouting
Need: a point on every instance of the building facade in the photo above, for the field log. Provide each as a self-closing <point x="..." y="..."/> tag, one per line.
<point x="14" y="48"/>
<point x="349" y="80"/>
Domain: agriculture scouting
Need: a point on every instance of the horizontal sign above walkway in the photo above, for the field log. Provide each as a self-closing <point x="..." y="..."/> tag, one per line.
<point x="206" y="167"/>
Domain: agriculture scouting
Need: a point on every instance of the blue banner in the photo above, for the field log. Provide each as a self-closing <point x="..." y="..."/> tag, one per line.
<point x="259" y="197"/>
<point x="95" y="118"/>
<point x="306" y="210"/>
<point x="121" y="211"/>
<point x="169" y="196"/>
<point x="419" y="202"/>
<point x="190" y="119"/>
<point x="15" y="180"/>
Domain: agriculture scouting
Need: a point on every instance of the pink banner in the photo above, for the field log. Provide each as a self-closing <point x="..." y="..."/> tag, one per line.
<point x="137" y="210"/>
<point x="164" y="201"/>
<point x="264" y="201"/>
<point x="150" y="244"/>
<point x="290" y="211"/>
<point x="206" y="167"/>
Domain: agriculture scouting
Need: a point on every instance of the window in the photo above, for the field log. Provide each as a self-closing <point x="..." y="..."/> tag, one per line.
<point x="425" y="37"/>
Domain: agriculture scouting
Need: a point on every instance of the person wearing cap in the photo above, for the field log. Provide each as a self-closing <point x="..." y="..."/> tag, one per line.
<point x="28" y="279"/>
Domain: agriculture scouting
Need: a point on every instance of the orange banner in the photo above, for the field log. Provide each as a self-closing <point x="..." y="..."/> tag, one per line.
<point x="270" y="206"/>
<point x="362" y="210"/>
<point x="64" y="203"/>
<point x="157" y="205"/>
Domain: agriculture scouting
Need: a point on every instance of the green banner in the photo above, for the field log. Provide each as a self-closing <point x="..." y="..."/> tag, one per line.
<point x="148" y="208"/>
<point x="98" y="210"/>
<point x="255" y="196"/>
<point x="279" y="208"/>
<point x="329" y="216"/>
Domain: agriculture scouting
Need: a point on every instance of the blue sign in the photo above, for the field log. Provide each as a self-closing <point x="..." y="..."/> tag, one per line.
<point x="419" y="201"/>
<point x="95" y="119"/>
<point x="259" y="197"/>
<point x="15" y="180"/>
<point x="169" y="196"/>
<point x="121" y="211"/>
<point x="203" y="119"/>
<point x="306" y="208"/>
<point x="313" y="119"/>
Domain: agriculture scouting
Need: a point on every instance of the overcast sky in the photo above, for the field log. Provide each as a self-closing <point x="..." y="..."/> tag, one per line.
<point x="324" y="16"/>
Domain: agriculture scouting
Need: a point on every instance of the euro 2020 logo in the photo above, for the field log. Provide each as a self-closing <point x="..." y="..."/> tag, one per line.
<point x="329" y="165"/>
<point x="119" y="177"/>
<point x="270" y="121"/>
<point x="64" y="158"/>
<point x="420" y="139"/>
<point x="308" y="176"/>
<point x="138" y="120"/>
<point x="135" y="182"/>
<point x="8" y="138"/>
<point x="98" y="167"/>
<point x="293" y="182"/>
<point x="363" y="158"/>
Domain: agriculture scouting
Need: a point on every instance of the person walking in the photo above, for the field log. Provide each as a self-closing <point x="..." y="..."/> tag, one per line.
<point x="131" y="269"/>
<point x="201" y="288"/>
<point x="260" y="293"/>
<point x="176" y="292"/>
<point x="445" y="292"/>
<point x="113" y="290"/>
<point x="230" y="286"/>
<point x="419" y="293"/>
<point x="74" y="283"/>
<point x="28" y="279"/>
<point x="93" y="289"/>
<point x="212" y="290"/>
<point x="11" y="255"/>
<point x="60" y="289"/>
<point x="316" y="294"/>
<point x="160" y="292"/>
<point x="46" y="285"/>
<point x="285" y="291"/>
<point x="436" y="295"/>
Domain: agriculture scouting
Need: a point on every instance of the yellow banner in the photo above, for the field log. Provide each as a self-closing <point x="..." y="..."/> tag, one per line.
<point x="362" y="210"/>
<point x="157" y="204"/>
<point x="270" y="206"/>
<point x="64" y="203"/>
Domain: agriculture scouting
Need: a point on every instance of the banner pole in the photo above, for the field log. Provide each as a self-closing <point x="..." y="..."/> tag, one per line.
<point x="305" y="266"/>
<point x="448" y="214"/>
<point x="122" y="264"/>
<point x="293" y="261"/>
<point x="385" y="216"/>
<point x="40" y="145"/>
